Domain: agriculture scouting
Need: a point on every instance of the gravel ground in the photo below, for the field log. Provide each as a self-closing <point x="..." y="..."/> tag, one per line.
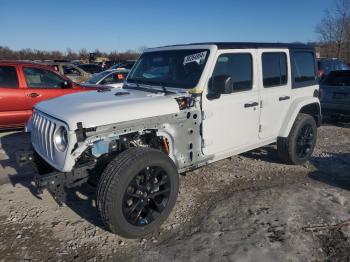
<point x="246" y="208"/>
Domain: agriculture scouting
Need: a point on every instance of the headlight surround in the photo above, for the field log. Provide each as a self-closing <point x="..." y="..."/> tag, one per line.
<point x="60" y="138"/>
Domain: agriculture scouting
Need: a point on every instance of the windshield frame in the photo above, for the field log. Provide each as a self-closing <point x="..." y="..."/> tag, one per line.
<point x="163" y="83"/>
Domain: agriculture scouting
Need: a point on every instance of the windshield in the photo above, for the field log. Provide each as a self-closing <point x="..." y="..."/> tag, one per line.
<point x="175" y="68"/>
<point x="95" y="78"/>
<point x="337" y="78"/>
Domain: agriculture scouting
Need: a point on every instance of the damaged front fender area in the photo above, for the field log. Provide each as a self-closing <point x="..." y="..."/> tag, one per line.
<point x="177" y="135"/>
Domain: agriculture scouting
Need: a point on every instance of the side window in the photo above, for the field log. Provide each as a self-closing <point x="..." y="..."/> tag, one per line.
<point x="239" y="67"/>
<point x="303" y="67"/>
<point x="41" y="78"/>
<point x="8" y="77"/>
<point x="274" y="67"/>
<point x="69" y="70"/>
<point x="114" y="78"/>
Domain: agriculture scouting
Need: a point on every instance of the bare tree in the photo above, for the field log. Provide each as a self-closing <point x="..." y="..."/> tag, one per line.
<point x="334" y="30"/>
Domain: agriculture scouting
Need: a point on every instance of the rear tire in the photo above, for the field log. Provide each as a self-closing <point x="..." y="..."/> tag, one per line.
<point x="297" y="148"/>
<point x="137" y="192"/>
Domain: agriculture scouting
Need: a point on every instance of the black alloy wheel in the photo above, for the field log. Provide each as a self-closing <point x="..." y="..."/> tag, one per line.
<point x="146" y="196"/>
<point x="305" y="140"/>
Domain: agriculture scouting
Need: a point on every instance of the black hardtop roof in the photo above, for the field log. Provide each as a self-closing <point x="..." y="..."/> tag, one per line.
<point x="254" y="45"/>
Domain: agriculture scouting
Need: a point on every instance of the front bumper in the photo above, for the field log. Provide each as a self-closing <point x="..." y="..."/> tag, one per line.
<point x="57" y="183"/>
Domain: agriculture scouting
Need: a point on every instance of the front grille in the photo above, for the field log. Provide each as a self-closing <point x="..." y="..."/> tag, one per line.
<point x="43" y="130"/>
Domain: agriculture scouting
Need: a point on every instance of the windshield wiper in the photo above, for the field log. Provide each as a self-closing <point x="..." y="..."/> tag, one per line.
<point x="141" y="80"/>
<point x="162" y="85"/>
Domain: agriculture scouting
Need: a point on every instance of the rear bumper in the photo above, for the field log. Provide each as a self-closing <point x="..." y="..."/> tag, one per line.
<point x="331" y="108"/>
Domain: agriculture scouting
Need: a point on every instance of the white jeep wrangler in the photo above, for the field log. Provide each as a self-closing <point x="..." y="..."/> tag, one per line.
<point x="180" y="108"/>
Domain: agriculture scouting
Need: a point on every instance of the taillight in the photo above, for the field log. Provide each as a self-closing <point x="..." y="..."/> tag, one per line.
<point x="320" y="74"/>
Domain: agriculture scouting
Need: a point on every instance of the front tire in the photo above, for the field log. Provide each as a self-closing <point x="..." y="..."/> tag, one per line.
<point x="137" y="192"/>
<point x="297" y="148"/>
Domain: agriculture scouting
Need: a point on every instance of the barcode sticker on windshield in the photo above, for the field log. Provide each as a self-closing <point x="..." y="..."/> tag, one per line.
<point x="195" y="58"/>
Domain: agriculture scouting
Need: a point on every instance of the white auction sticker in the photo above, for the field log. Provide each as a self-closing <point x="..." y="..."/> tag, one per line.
<point x="198" y="57"/>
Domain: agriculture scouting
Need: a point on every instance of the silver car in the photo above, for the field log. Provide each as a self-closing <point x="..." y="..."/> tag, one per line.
<point x="113" y="78"/>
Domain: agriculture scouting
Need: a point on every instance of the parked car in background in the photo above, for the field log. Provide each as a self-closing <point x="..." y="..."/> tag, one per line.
<point x="76" y="62"/>
<point x="335" y="93"/>
<point x="326" y="65"/>
<point x="23" y="84"/>
<point x="107" y="64"/>
<point x="91" y="68"/>
<point x="74" y="73"/>
<point x="125" y="65"/>
<point x="114" y="78"/>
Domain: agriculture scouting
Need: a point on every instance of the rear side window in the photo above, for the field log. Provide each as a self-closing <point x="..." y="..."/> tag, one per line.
<point x="69" y="70"/>
<point x="8" y="77"/>
<point x="304" y="67"/>
<point x="239" y="67"/>
<point x="274" y="67"/>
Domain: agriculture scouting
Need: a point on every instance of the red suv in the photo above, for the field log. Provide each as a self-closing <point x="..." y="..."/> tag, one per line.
<point x="23" y="84"/>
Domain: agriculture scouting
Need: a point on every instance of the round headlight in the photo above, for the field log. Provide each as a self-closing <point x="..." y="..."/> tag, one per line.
<point x="61" y="138"/>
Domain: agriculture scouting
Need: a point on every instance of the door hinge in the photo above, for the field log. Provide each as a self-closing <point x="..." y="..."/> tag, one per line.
<point x="203" y="115"/>
<point x="259" y="128"/>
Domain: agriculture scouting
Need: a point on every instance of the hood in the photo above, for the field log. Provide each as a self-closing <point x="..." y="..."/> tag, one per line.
<point x="101" y="108"/>
<point x="90" y="86"/>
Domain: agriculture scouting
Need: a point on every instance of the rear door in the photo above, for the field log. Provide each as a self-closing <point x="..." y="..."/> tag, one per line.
<point x="275" y="91"/>
<point x="13" y="108"/>
<point x="42" y="84"/>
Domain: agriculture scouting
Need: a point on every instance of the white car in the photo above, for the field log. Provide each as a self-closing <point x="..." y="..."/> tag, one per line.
<point x="112" y="78"/>
<point x="180" y="108"/>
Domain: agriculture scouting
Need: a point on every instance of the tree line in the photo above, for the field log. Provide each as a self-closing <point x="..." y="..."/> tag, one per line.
<point x="69" y="54"/>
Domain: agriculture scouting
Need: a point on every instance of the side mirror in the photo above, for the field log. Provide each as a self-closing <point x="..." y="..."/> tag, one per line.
<point x="65" y="84"/>
<point x="221" y="84"/>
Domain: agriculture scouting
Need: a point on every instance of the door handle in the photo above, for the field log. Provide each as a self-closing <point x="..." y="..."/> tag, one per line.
<point x="251" y="104"/>
<point x="33" y="95"/>
<point x="282" y="98"/>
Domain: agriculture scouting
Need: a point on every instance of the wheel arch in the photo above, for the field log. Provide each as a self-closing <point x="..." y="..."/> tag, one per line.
<point x="310" y="106"/>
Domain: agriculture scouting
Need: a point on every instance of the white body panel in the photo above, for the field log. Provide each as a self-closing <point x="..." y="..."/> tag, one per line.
<point x="228" y="125"/>
<point x="273" y="109"/>
<point x="119" y="85"/>
<point x="101" y="108"/>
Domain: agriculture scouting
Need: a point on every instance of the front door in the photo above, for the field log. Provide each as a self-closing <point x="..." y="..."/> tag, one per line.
<point x="275" y="92"/>
<point x="231" y="122"/>
<point x="13" y="108"/>
<point x="43" y="84"/>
